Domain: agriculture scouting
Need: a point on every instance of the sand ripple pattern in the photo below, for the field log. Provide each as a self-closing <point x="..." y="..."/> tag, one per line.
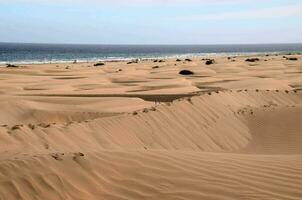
<point x="227" y="145"/>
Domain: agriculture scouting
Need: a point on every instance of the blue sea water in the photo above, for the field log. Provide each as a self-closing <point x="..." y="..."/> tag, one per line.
<point x="55" y="53"/>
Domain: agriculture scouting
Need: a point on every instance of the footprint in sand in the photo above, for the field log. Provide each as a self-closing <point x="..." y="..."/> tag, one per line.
<point x="46" y="146"/>
<point x="44" y="125"/>
<point x="16" y="127"/>
<point x="57" y="156"/>
<point x="31" y="126"/>
<point x="75" y="156"/>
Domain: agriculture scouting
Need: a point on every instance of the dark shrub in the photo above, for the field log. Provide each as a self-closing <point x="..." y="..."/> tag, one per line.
<point x="294" y="59"/>
<point x="99" y="64"/>
<point x="252" y="60"/>
<point x="186" y="72"/>
<point x="11" y="66"/>
<point x="210" y="62"/>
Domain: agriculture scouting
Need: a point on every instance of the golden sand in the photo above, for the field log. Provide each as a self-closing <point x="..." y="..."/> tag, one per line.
<point x="135" y="131"/>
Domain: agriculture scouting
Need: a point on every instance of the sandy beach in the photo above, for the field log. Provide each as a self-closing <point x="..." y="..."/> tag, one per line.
<point x="230" y="130"/>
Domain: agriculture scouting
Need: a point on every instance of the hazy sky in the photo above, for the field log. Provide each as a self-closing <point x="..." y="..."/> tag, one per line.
<point x="151" y="21"/>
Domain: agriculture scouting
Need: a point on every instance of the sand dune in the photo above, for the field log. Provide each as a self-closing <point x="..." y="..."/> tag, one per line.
<point x="151" y="175"/>
<point x="192" y="149"/>
<point x="226" y="137"/>
<point x="37" y="110"/>
<point x="201" y="123"/>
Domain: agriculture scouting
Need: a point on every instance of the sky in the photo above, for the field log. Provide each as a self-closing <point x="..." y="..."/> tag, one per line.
<point x="151" y="21"/>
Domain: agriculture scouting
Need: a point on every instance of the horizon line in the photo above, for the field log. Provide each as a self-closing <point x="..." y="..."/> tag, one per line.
<point x="133" y="44"/>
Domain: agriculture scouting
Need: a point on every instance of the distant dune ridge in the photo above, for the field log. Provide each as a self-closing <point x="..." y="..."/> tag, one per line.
<point x="232" y="131"/>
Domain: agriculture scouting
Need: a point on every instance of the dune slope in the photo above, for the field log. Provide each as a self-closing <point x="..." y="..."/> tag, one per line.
<point x="226" y="145"/>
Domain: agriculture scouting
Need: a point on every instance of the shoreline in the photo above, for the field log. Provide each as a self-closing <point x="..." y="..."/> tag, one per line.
<point x="169" y="58"/>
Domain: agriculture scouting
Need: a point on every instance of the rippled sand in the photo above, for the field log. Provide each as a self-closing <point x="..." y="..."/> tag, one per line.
<point x="141" y="131"/>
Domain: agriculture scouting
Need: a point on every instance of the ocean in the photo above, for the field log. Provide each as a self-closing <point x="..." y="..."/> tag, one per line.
<point x="21" y="53"/>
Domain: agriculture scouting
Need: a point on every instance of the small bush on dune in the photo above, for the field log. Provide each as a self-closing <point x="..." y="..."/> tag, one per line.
<point x="99" y="64"/>
<point x="186" y="72"/>
<point x="11" y="66"/>
<point x="252" y="59"/>
<point x="293" y="59"/>
<point x="210" y="62"/>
